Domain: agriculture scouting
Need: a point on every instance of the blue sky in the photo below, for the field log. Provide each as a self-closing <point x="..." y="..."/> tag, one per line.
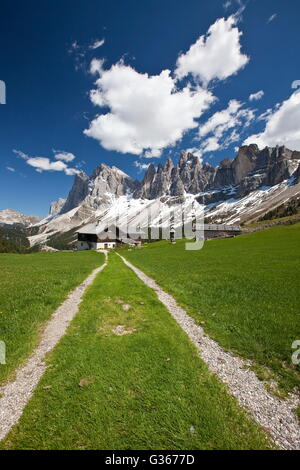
<point x="215" y="54"/>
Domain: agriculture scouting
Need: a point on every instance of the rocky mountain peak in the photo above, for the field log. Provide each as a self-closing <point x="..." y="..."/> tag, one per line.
<point x="11" y="217"/>
<point x="250" y="169"/>
<point x="169" y="165"/>
<point x="97" y="189"/>
<point x="226" y="162"/>
<point x="79" y="191"/>
<point x="56" y="206"/>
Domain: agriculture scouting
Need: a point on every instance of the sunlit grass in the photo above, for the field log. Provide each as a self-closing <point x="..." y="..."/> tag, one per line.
<point x="145" y="389"/>
<point x="245" y="291"/>
<point x="31" y="287"/>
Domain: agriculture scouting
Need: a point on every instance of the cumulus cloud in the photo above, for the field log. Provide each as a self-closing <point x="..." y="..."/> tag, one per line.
<point x="214" y="56"/>
<point x="256" y="96"/>
<point x="143" y="114"/>
<point x="154" y="153"/>
<point x="146" y="113"/>
<point x="45" y="164"/>
<point x="272" y="18"/>
<point x="282" y="126"/>
<point x="221" y="129"/>
<point x="65" y="156"/>
<point x="9" y="168"/>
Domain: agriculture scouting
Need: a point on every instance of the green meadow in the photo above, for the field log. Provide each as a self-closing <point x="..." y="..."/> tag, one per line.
<point x="245" y="292"/>
<point x="32" y="286"/>
<point x="125" y="376"/>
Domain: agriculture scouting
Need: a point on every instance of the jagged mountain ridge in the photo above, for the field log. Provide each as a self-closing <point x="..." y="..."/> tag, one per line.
<point x="252" y="183"/>
<point x="97" y="189"/>
<point x="251" y="169"/>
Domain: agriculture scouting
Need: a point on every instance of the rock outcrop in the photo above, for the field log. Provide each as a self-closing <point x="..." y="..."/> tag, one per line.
<point x="78" y="193"/>
<point x="56" y="207"/>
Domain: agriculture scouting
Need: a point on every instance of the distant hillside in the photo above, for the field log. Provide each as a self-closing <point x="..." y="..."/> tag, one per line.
<point x="15" y="233"/>
<point x="11" y="217"/>
<point x="13" y="239"/>
<point x="289" y="208"/>
<point x="7" y="246"/>
<point x="64" y="240"/>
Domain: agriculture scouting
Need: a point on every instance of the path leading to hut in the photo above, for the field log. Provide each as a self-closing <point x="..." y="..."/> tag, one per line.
<point x="275" y="415"/>
<point x="124" y="376"/>
<point x="15" y="394"/>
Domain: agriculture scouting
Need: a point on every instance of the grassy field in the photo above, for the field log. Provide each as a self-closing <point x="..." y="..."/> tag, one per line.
<point x="32" y="286"/>
<point x="243" y="290"/>
<point x="129" y="378"/>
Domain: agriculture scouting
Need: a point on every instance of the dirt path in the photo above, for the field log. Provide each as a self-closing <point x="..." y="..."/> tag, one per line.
<point x="15" y="395"/>
<point x="276" y="416"/>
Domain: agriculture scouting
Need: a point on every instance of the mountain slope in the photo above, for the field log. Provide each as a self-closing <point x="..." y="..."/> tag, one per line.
<point x="11" y="216"/>
<point x="253" y="183"/>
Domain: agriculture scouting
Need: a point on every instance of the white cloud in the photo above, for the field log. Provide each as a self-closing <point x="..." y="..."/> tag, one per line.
<point x="45" y="164"/>
<point x="265" y="116"/>
<point x="65" y="156"/>
<point x="9" y="168"/>
<point x="224" y="125"/>
<point x="214" y="56"/>
<point x="221" y="120"/>
<point x="146" y="113"/>
<point x="20" y="154"/>
<point x="272" y="18"/>
<point x="154" y="153"/>
<point x="210" y="145"/>
<point x="74" y="47"/>
<point x="80" y="52"/>
<point x="97" y="43"/>
<point x="282" y="126"/>
<point x="97" y="68"/>
<point x="227" y="4"/>
<point x="71" y="171"/>
<point x="256" y="96"/>
<point x="141" y="166"/>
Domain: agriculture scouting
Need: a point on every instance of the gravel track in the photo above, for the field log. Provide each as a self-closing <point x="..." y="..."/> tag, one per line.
<point x="276" y="416"/>
<point x="15" y="395"/>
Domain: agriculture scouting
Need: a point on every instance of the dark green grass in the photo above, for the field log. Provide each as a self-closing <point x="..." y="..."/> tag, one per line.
<point x="144" y="390"/>
<point x="31" y="287"/>
<point x="245" y="289"/>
